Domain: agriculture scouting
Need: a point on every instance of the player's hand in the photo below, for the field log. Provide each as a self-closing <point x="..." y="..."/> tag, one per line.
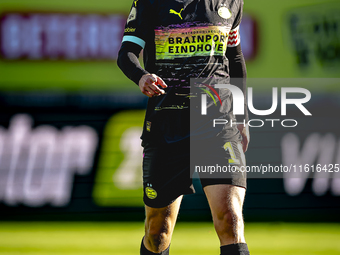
<point x="148" y="84"/>
<point x="244" y="130"/>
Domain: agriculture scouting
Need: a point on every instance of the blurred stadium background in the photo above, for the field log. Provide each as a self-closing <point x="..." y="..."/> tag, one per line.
<point x="70" y="160"/>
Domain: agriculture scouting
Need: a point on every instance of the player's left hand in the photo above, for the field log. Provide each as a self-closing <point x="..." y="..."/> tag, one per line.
<point x="244" y="130"/>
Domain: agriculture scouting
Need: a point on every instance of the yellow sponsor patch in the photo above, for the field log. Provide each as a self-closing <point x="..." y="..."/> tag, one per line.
<point x="150" y="193"/>
<point x="192" y="41"/>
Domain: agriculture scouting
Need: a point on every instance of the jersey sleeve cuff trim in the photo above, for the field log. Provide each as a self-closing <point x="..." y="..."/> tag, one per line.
<point x="134" y="39"/>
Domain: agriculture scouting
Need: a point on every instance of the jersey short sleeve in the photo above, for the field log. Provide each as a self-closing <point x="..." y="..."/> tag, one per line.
<point x="234" y="38"/>
<point x="138" y="28"/>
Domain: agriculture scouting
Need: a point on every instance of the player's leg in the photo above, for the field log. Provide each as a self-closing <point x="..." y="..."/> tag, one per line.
<point x="159" y="226"/>
<point x="225" y="193"/>
<point x="226" y="203"/>
<point x="165" y="178"/>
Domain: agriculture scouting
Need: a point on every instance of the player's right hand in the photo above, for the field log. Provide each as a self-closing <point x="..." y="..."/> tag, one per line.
<point x="244" y="130"/>
<point x="148" y="84"/>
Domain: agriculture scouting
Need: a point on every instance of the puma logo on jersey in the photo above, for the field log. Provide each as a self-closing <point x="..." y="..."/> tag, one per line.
<point x="136" y="3"/>
<point x="176" y="13"/>
<point x="132" y="15"/>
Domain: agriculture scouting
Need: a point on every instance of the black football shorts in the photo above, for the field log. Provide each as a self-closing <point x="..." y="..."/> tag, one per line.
<point x="166" y="168"/>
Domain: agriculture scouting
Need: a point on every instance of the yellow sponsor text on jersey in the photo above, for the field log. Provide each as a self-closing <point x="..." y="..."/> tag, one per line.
<point x="189" y="42"/>
<point x="129" y="30"/>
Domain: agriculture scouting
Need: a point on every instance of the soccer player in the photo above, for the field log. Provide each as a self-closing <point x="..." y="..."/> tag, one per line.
<point x="183" y="40"/>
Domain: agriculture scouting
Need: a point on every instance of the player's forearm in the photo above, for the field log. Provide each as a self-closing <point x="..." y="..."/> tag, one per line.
<point x="128" y="61"/>
<point x="238" y="75"/>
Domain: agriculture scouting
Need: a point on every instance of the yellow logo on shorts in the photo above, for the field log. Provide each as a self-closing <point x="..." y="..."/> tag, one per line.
<point x="150" y="193"/>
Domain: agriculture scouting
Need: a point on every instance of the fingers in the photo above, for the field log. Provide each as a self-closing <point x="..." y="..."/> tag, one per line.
<point x="154" y="90"/>
<point x="161" y="82"/>
<point x="244" y="130"/>
<point x="245" y="142"/>
<point x="148" y="85"/>
<point x="245" y="145"/>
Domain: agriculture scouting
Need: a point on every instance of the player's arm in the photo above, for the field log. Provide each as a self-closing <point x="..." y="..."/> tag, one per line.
<point x="238" y="74"/>
<point x="138" y="30"/>
<point x="128" y="62"/>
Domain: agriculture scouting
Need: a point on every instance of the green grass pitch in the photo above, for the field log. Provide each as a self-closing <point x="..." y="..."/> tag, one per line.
<point x="189" y="238"/>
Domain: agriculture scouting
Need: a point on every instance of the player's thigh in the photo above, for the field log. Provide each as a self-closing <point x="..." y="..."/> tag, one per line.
<point x="225" y="199"/>
<point x="159" y="217"/>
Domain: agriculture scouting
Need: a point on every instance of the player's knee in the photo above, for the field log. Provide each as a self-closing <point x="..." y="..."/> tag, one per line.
<point x="228" y="222"/>
<point x="157" y="235"/>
